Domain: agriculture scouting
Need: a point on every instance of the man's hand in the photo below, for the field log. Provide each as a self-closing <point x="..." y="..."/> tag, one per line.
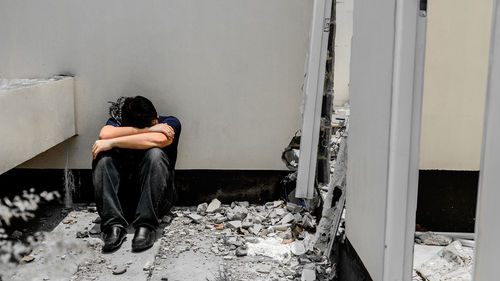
<point x="164" y="129"/>
<point x="100" y="146"/>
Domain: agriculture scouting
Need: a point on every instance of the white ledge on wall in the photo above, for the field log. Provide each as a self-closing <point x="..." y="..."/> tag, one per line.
<point x="36" y="115"/>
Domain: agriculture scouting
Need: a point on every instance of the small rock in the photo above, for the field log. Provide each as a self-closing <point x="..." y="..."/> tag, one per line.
<point x="120" y="270"/>
<point x="218" y="218"/>
<point x="195" y="218"/>
<point x="96" y="229"/>
<point x="202" y="208"/>
<point x="147" y="266"/>
<point x="288" y="218"/>
<point x="255" y="229"/>
<point x="298" y="217"/>
<point x="215" y="249"/>
<point x="280" y="212"/>
<point x="308" y="273"/>
<point x="28" y="258"/>
<point x="243" y="203"/>
<point x="218" y="226"/>
<point x="304" y="260"/>
<point x="308" y="221"/>
<point x="167" y="219"/>
<point x="247" y="222"/>
<point x="280" y="227"/>
<point x="234" y="224"/>
<point x="241" y="251"/>
<point x="213" y="206"/>
<point x="298" y="248"/>
<point x="264" y="268"/>
<point x="92" y="209"/>
<point x="82" y="234"/>
<point x="164" y="279"/>
<point x="16" y="234"/>
<point x="293" y="208"/>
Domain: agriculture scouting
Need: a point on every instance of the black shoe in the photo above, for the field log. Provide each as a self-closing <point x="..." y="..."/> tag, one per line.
<point x="144" y="238"/>
<point x="113" y="238"/>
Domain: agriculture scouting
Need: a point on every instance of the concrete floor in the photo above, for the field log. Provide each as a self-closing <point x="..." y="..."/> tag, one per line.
<point x="183" y="251"/>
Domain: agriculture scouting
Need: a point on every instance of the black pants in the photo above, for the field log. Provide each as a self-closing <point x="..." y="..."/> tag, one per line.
<point x="126" y="178"/>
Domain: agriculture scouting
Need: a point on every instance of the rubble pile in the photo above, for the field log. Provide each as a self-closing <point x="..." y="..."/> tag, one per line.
<point x="211" y="241"/>
<point x="453" y="262"/>
<point x="274" y="239"/>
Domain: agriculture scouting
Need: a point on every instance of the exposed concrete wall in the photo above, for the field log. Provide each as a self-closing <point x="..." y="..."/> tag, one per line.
<point x="343" y="39"/>
<point x="34" y="119"/>
<point x="230" y="70"/>
<point x="458" y="35"/>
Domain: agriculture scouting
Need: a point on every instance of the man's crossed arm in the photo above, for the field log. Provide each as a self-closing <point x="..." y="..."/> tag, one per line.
<point x="159" y="135"/>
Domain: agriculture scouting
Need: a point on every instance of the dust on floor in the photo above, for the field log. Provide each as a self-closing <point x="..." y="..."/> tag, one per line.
<point x="209" y="242"/>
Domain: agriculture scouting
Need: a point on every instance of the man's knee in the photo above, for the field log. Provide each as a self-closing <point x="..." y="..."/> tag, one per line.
<point x="103" y="161"/>
<point x="155" y="155"/>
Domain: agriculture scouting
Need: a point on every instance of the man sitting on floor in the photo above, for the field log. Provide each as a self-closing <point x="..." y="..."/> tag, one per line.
<point x="135" y="155"/>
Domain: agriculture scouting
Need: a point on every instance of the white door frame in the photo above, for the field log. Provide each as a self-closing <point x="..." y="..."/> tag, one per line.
<point x="313" y="97"/>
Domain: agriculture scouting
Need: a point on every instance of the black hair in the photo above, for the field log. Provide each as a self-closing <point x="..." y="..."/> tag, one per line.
<point x="138" y="112"/>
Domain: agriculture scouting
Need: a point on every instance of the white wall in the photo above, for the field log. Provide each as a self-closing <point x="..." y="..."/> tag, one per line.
<point x="456" y="66"/>
<point x="230" y="70"/>
<point x="343" y="39"/>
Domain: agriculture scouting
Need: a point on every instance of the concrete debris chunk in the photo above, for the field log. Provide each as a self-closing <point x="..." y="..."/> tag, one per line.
<point x="277" y="203"/>
<point x="454" y="262"/>
<point x="195" y="217"/>
<point x="308" y="221"/>
<point x="147" y="266"/>
<point x="288" y="218"/>
<point x="234" y="224"/>
<point x="255" y="229"/>
<point x="293" y="208"/>
<point x="96" y="229"/>
<point x="213" y="206"/>
<point x="298" y="217"/>
<point x="28" y="259"/>
<point x="247" y="222"/>
<point x="243" y="204"/>
<point x="120" y="269"/>
<point x="202" y="208"/>
<point x="82" y="234"/>
<point x="279" y="227"/>
<point x="280" y="212"/>
<point x="308" y="273"/>
<point x="237" y="213"/>
<point x="298" y="248"/>
<point x="219" y="218"/>
<point x="433" y="239"/>
<point x="16" y="234"/>
<point x="264" y="268"/>
<point x="241" y="251"/>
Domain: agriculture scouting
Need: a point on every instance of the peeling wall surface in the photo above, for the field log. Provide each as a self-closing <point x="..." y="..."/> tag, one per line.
<point x="230" y="70"/>
<point x="456" y="65"/>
